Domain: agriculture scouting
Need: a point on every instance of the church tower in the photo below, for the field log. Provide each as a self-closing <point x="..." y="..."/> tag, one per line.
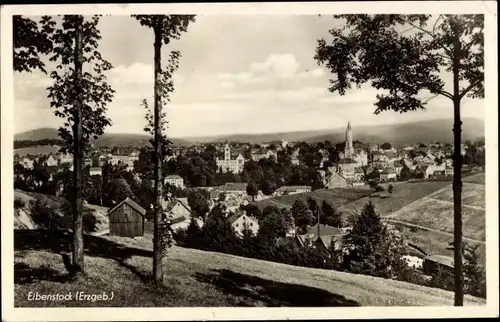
<point x="227" y="152"/>
<point x="349" y="149"/>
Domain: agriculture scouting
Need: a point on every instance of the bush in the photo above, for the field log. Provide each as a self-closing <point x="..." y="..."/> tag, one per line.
<point x="19" y="203"/>
<point x="42" y="214"/>
<point x="414" y="276"/>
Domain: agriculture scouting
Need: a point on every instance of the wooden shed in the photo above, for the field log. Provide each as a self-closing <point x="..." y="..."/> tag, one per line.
<point x="127" y="219"/>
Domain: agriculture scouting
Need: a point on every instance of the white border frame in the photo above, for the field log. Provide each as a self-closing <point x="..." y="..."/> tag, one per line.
<point x="488" y="8"/>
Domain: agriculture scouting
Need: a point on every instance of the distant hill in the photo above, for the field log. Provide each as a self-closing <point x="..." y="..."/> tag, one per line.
<point x="108" y="139"/>
<point x="402" y="133"/>
<point x="409" y="133"/>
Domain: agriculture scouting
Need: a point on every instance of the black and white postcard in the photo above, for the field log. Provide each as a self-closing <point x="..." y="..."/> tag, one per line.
<point x="249" y="161"/>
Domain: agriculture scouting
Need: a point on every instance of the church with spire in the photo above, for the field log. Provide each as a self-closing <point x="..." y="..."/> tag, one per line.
<point x="348" y="170"/>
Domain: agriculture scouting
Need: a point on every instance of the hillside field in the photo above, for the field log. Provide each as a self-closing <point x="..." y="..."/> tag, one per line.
<point x="196" y="278"/>
<point x="436" y="211"/>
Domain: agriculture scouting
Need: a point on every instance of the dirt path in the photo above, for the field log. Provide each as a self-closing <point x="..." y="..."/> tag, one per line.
<point x="404" y="223"/>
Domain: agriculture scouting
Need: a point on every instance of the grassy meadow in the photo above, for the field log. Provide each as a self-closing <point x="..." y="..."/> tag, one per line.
<point x="195" y="278"/>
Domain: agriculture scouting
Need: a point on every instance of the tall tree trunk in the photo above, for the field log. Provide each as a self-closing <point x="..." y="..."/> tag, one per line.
<point x="457" y="180"/>
<point x="157" y="256"/>
<point x="78" y="262"/>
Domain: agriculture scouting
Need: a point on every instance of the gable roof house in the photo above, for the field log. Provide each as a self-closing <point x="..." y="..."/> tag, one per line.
<point x="240" y="220"/>
<point x="321" y="236"/>
<point x="126" y="219"/>
<point x="337" y="180"/>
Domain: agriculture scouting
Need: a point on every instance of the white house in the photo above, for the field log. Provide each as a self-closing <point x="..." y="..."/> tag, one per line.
<point x="51" y="161"/>
<point x="413" y="261"/>
<point x="264" y="154"/>
<point x="95" y="171"/>
<point x="175" y="180"/>
<point x="242" y="221"/>
<point x="65" y="158"/>
<point x="433" y="169"/>
<point x="388" y="174"/>
<point x="291" y="190"/>
<point x="27" y="163"/>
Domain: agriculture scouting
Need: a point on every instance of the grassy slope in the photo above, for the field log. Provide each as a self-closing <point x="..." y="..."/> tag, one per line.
<point x="436" y="211"/>
<point x="402" y="195"/>
<point x="198" y="278"/>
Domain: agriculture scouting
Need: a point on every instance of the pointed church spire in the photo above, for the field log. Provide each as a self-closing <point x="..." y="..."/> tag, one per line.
<point x="348" y="125"/>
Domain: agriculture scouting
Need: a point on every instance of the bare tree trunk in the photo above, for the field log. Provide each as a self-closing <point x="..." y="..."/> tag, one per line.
<point x="457" y="182"/>
<point x="157" y="251"/>
<point x="78" y="258"/>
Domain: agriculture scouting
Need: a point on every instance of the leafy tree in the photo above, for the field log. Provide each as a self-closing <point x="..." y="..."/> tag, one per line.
<point x="405" y="173"/>
<point x="372" y="178"/>
<point x="81" y="99"/>
<point x="116" y="191"/>
<point x="253" y="210"/>
<point x="198" y="201"/>
<point x="474" y="272"/>
<point x="302" y="215"/>
<point x="417" y="58"/>
<point x="275" y="224"/>
<point x="194" y="235"/>
<point x="373" y="248"/>
<point x="29" y="41"/>
<point x="268" y="187"/>
<point x="315" y="209"/>
<point x="330" y="216"/>
<point x="165" y="28"/>
<point x="219" y="234"/>
<point x="252" y="189"/>
<point x="386" y="146"/>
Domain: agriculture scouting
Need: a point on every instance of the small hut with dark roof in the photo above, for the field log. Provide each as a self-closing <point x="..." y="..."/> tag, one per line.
<point x="126" y="219"/>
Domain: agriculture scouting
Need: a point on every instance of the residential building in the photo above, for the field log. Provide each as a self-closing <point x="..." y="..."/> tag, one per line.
<point x="433" y="170"/>
<point x="321" y="235"/>
<point x="233" y="188"/>
<point x="291" y="190"/>
<point x="413" y="261"/>
<point x="65" y="158"/>
<point x="359" y="175"/>
<point x="295" y="157"/>
<point x="181" y="213"/>
<point x="175" y="180"/>
<point x="241" y="221"/>
<point x="388" y="174"/>
<point x="51" y="161"/>
<point x="398" y="167"/>
<point x="337" y="180"/>
<point x="263" y="154"/>
<point x="95" y="171"/>
<point x="27" y="163"/>
<point x="230" y="163"/>
<point x="102" y="160"/>
<point x="346" y="167"/>
<point x="87" y="162"/>
<point x="433" y="262"/>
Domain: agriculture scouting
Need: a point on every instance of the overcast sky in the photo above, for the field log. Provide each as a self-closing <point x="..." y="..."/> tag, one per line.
<point x="237" y="74"/>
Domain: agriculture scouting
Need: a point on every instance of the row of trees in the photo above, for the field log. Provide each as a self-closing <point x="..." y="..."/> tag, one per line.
<point x="81" y="98"/>
<point x="370" y="247"/>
